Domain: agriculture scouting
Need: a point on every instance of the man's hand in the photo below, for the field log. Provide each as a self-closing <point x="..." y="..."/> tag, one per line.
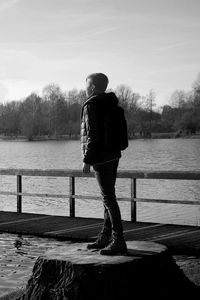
<point x="86" y="168"/>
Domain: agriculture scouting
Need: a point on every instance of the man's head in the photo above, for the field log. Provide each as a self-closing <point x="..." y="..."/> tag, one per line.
<point x="96" y="83"/>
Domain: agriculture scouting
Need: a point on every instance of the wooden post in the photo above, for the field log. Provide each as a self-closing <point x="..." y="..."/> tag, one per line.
<point x="133" y="202"/>
<point x="71" y="196"/>
<point x="19" y="191"/>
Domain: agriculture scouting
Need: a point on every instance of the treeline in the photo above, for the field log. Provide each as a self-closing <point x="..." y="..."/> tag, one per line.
<point x="54" y="114"/>
<point x="57" y="113"/>
<point x="183" y="115"/>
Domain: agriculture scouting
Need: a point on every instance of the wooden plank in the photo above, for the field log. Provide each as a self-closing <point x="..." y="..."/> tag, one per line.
<point x="143" y="228"/>
<point x="80" y="228"/>
<point x="24" y="220"/>
<point x="175" y="235"/>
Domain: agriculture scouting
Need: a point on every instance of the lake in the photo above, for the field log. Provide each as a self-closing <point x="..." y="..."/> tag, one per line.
<point x="18" y="253"/>
<point x="155" y="154"/>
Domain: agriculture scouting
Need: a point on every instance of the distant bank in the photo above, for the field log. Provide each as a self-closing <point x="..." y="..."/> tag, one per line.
<point x="153" y="135"/>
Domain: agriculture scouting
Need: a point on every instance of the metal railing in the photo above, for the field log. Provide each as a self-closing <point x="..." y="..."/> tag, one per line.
<point x="72" y="174"/>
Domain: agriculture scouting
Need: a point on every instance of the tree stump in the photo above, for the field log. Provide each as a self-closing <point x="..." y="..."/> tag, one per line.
<point x="72" y="272"/>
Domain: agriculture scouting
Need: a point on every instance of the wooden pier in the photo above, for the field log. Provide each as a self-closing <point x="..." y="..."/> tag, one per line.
<point x="178" y="238"/>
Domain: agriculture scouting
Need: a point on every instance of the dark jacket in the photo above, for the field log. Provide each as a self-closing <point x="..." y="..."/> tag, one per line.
<point x="92" y="129"/>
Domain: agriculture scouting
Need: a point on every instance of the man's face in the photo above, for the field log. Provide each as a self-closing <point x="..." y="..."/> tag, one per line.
<point x="89" y="87"/>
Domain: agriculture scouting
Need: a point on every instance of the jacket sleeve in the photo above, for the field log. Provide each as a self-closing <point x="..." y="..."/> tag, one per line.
<point x="92" y="133"/>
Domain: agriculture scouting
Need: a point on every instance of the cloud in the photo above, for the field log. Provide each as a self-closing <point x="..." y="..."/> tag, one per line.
<point x="25" y="65"/>
<point x="22" y="72"/>
<point x="3" y="92"/>
<point x="7" y="4"/>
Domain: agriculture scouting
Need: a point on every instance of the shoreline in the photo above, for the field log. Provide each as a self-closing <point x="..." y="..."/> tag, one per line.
<point x="77" y="137"/>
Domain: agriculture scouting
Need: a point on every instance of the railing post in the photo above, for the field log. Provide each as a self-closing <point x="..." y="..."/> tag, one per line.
<point x="71" y="196"/>
<point x="19" y="190"/>
<point x="133" y="202"/>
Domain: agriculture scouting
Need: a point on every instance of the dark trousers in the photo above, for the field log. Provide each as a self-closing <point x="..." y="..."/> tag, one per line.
<point x="106" y="177"/>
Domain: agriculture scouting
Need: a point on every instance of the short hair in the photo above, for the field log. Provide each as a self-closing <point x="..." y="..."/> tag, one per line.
<point x="99" y="80"/>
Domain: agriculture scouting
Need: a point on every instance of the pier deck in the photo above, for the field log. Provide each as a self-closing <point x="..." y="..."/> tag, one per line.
<point x="179" y="239"/>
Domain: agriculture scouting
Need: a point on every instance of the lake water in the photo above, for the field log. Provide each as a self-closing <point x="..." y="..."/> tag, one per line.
<point x="17" y="257"/>
<point x="155" y="154"/>
<point x="18" y="253"/>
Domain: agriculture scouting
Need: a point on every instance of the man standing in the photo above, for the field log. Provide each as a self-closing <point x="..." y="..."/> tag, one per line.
<point x="103" y="160"/>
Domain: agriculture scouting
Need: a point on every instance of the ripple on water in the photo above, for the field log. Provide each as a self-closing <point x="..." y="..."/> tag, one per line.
<point x="17" y="256"/>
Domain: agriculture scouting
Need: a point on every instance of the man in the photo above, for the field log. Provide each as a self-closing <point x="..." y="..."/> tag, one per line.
<point x="105" y="162"/>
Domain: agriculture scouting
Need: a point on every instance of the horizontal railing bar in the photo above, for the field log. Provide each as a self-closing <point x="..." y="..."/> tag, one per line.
<point x="126" y="199"/>
<point x="8" y="193"/>
<point x="35" y="195"/>
<point x="90" y="197"/>
<point x="58" y="196"/>
<point x="45" y="195"/>
<point x="194" y="202"/>
<point x="179" y="175"/>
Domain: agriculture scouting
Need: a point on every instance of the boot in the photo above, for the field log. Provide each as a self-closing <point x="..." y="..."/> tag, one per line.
<point x="101" y="242"/>
<point x="117" y="246"/>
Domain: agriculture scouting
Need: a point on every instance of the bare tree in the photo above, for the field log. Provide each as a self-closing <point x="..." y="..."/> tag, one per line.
<point x="55" y="98"/>
<point x="125" y="95"/>
<point x="150" y="102"/>
<point x="31" y="117"/>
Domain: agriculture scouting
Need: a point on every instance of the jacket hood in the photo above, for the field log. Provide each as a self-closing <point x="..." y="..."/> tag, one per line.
<point x="109" y="99"/>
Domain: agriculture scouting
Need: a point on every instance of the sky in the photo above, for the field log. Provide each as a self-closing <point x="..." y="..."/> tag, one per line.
<point x="144" y="44"/>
